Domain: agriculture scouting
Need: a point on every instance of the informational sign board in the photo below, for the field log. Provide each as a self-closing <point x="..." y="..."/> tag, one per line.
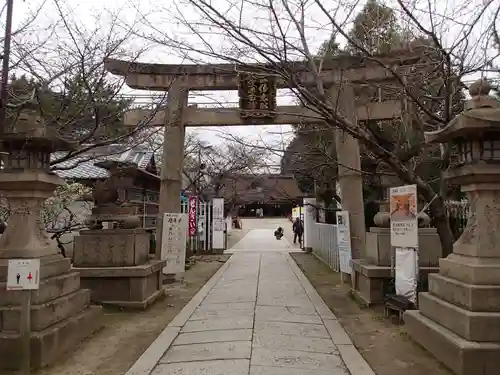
<point x="23" y="274"/>
<point x="298" y="212"/>
<point x="344" y="241"/>
<point x="173" y="244"/>
<point x="404" y="222"/>
<point x="192" y="203"/>
<point x="218" y="223"/>
<point x="404" y="239"/>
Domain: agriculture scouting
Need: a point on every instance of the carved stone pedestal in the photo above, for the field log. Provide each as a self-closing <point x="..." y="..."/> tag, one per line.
<point x="372" y="275"/>
<point x="115" y="264"/>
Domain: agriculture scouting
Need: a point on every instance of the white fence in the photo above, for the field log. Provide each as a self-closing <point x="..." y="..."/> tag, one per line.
<point x="325" y="244"/>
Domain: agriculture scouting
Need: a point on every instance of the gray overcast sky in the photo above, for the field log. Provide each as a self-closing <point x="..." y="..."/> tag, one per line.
<point x="168" y="16"/>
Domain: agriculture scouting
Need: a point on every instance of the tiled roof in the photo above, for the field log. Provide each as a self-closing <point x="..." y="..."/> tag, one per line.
<point x="82" y="166"/>
<point x="265" y="187"/>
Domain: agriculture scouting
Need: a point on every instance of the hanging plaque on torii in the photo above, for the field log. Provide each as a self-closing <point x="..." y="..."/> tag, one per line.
<point x="257" y="94"/>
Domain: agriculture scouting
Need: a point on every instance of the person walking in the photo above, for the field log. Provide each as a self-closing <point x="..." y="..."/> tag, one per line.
<point x="298" y="231"/>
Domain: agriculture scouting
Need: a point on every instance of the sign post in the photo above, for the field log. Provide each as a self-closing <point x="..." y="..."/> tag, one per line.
<point x="344" y="243"/>
<point x="218" y="224"/>
<point x="404" y="238"/>
<point x="24" y="275"/>
<point x="173" y="246"/>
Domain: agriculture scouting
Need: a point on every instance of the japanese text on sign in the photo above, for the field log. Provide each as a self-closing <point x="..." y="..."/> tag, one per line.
<point x="173" y="247"/>
<point x="257" y="95"/>
<point x="403" y="211"/>
<point x="192" y="203"/>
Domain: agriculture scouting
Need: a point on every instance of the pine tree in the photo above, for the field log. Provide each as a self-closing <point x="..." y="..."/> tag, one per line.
<point x="375" y="30"/>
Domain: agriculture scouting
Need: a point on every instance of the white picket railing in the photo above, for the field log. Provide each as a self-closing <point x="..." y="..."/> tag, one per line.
<point x="325" y="245"/>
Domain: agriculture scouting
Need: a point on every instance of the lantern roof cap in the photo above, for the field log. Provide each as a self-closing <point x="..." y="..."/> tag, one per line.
<point x="481" y="114"/>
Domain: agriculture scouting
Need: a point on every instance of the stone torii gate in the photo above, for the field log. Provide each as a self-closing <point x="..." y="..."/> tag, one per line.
<point x="257" y="91"/>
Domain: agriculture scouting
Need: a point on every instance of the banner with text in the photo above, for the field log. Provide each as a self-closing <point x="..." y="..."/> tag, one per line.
<point x="192" y="207"/>
<point x="344" y="241"/>
<point x="173" y="247"/>
<point x="403" y="210"/>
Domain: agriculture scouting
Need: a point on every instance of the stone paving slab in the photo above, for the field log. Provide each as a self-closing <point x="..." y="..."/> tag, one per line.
<point x="277" y="370"/>
<point x="291" y="342"/>
<point x="217" y="367"/>
<point x="258" y="316"/>
<point x="287" y="328"/>
<point x="222" y="313"/>
<point x="213" y="336"/>
<point x="298" y="359"/>
<point x="282" y="314"/>
<point x="208" y="351"/>
<point x="234" y="322"/>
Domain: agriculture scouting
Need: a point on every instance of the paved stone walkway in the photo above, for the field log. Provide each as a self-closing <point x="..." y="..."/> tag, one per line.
<point x="258" y="315"/>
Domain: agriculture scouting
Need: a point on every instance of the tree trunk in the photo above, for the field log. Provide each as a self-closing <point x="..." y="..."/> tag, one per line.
<point x="442" y="225"/>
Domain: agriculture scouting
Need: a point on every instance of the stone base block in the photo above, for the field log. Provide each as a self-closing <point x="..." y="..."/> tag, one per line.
<point x="471" y="270"/>
<point x="379" y="250"/>
<point x="46" y="314"/>
<point x="111" y="248"/>
<point x="473" y="326"/>
<point x="49" y="344"/>
<point x="461" y="356"/>
<point x="128" y="287"/>
<point x="481" y="298"/>
<point x="370" y="281"/>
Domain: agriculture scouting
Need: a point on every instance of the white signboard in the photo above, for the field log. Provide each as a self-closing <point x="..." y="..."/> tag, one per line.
<point x="173" y="243"/>
<point x="403" y="210"/>
<point x="23" y="274"/>
<point x="218" y="223"/>
<point x="344" y="241"/>
<point x="404" y="238"/>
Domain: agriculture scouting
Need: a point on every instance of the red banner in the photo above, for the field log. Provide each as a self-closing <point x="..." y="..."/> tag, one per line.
<point x="192" y="203"/>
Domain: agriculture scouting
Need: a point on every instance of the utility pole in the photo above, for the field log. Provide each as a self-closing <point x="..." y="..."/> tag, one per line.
<point x="4" y="95"/>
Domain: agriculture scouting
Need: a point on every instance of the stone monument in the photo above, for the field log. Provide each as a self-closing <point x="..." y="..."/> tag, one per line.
<point x="373" y="273"/>
<point x="115" y="262"/>
<point x="459" y="319"/>
<point x="61" y="315"/>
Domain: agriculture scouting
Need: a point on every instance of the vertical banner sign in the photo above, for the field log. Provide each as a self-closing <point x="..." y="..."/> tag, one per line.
<point x="218" y="223"/>
<point x="192" y="203"/>
<point x="173" y="247"/>
<point x="344" y="241"/>
<point x="404" y="238"/>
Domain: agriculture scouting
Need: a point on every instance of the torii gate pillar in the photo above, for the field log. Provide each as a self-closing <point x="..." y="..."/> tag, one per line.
<point x="173" y="156"/>
<point x="349" y="168"/>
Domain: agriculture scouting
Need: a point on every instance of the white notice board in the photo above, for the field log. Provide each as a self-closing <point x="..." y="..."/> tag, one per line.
<point x="173" y="242"/>
<point x="344" y="241"/>
<point x="218" y="223"/>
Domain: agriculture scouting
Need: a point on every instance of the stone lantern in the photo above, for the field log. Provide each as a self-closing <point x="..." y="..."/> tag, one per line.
<point x="114" y="262"/>
<point x="61" y="315"/>
<point x="459" y="319"/>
